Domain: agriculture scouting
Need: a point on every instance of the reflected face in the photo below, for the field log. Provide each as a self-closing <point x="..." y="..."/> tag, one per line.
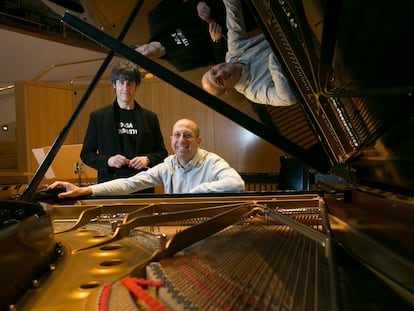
<point x="185" y="140"/>
<point x="221" y="77"/>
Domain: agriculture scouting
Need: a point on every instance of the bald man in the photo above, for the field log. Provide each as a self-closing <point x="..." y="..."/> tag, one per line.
<point x="190" y="170"/>
<point x="251" y="68"/>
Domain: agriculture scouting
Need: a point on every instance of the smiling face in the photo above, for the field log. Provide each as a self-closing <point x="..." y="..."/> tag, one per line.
<point x="185" y="140"/>
<point x="221" y="78"/>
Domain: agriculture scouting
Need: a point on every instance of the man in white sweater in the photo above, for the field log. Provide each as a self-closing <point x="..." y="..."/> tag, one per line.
<point x="251" y="67"/>
<point x="190" y="170"/>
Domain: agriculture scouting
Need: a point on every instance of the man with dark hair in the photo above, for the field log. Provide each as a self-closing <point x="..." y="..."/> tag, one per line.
<point x="123" y="138"/>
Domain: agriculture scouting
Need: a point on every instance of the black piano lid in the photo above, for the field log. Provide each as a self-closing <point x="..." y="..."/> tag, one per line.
<point x="350" y="63"/>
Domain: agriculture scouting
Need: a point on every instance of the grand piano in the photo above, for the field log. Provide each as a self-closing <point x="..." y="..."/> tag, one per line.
<point x="343" y="244"/>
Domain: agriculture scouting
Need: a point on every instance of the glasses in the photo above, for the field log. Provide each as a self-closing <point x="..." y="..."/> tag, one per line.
<point x="185" y="135"/>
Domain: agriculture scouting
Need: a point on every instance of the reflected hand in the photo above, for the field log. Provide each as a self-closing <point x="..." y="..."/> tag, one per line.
<point x="204" y="11"/>
<point x="152" y="50"/>
<point x="215" y="30"/>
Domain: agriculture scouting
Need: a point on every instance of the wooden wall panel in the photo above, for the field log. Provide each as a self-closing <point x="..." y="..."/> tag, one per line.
<point x="8" y="155"/>
<point x="42" y="110"/>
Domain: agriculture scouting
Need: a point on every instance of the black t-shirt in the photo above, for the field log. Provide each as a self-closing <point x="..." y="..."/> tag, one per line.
<point x="128" y="132"/>
<point x="185" y="37"/>
<point x="187" y="48"/>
